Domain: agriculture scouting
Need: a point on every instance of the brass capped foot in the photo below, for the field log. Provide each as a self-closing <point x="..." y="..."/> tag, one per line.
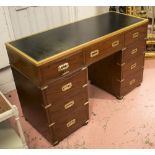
<point x="86" y="123"/>
<point x="55" y="143"/>
<point x="119" y="97"/>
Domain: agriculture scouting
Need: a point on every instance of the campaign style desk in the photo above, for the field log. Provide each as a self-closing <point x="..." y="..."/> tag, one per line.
<point x="51" y="69"/>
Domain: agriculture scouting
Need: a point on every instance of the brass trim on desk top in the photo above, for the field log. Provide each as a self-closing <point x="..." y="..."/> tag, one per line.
<point x="19" y="52"/>
<point x="129" y="15"/>
<point x="74" y="49"/>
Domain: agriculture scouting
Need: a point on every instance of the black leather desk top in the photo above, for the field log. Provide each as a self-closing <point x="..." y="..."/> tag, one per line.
<point x="45" y="44"/>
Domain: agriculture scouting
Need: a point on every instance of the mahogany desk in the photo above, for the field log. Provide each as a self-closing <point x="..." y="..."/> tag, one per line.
<point x="51" y="69"/>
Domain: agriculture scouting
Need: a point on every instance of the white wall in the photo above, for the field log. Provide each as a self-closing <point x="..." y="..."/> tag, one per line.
<point x="5" y="35"/>
<point x="28" y="20"/>
<point x="17" y="22"/>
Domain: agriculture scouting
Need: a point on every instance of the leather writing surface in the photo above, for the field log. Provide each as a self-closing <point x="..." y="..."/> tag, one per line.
<point x="51" y="42"/>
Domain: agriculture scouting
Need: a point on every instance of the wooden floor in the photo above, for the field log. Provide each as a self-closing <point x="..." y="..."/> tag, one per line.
<point x="129" y="123"/>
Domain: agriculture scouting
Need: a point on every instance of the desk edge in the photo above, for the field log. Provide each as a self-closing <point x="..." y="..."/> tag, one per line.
<point x="74" y="49"/>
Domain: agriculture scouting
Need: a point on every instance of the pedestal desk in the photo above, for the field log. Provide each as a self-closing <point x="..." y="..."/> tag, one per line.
<point x="51" y="69"/>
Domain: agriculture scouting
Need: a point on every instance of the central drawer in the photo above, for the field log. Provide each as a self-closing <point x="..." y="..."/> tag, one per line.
<point x="66" y="86"/>
<point x="104" y="48"/>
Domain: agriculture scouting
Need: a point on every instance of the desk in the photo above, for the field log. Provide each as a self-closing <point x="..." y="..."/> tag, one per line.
<point x="51" y="69"/>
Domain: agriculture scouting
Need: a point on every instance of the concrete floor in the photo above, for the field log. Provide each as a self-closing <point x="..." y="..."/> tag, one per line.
<point x="128" y="123"/>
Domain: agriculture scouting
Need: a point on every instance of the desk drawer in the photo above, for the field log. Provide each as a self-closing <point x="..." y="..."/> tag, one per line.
<point x="62" y="67"/>
<point x="67" y="125"/>
<point x="66" y="86"/>
<point x="135" y="34"/>
<point x="131" y="82"/>
<point x="121" y="88"/>
<point x="102" y="49"/>
<point x="130" y="66"/>
<point x="63" y="107"/>
<point x="132" y="51"/>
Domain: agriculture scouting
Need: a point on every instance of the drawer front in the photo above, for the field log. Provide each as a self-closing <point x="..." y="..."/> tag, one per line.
<point x="66" y="85"/>
<point x="62" y="108"/>
<point x="102" y="49"/>
<point x="131" y="51"/>
<point x="121" y="88"/>
<point x="135" y="34"/>
<point x="62" y="67"/>
<point x="131" y="82"/>
<point x="67" y="125"/>
<point x="130" y="66"/>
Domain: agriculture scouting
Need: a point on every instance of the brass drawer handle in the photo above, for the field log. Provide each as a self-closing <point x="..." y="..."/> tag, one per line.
<point x="63" y="67"/>
<point x="115" y="43"/>
<point x="94" y="53"/>
<point x="134" y="51"/>
<point x="69" y="104"/>
<point x="132" y="82"/>
<point x="135" y="35"/>
<point x="133" y="66"/>
<point x="70" y="123"/>
<point x="67" y="86"/>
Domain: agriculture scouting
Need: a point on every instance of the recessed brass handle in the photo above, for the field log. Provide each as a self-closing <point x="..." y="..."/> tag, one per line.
<point x="94" y="53"/>
<point x="135" y="35"/>
<point x="69" y="104"/>
<point x="67" y="86"/>
<point x="132" y="81"/>
<point x="133" y="66"/>
<point x="70" y="123"/>
<point x="134" y="51"/>
<point x="63" y="67"/>
<point x="115" y="43"/>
